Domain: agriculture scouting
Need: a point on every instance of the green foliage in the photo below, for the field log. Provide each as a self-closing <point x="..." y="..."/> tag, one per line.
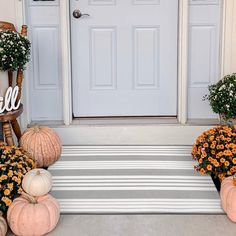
<point x="222" y="97"/>
<point x="14" y="50"/>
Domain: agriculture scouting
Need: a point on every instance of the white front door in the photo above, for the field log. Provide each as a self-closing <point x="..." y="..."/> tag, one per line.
<point x="124" y="57"/>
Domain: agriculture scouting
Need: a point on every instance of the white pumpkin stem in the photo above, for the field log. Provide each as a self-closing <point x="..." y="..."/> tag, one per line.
<point x="38" y="172"/>
<point x="30" y="198"/>
<point x="234" y="179"/>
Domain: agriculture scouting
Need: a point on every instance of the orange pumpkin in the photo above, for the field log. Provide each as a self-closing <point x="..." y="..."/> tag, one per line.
<point x="43" y="144"/>
<point x="228" y="197"/>
<point x="33" y="216"/>
<point x="3" y="225"/>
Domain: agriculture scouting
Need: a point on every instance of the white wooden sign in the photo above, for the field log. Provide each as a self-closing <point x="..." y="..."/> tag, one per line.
<point x="8" y="102"/>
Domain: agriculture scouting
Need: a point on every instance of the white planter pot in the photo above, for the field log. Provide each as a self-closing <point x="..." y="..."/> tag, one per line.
<point x="3" y="83"/>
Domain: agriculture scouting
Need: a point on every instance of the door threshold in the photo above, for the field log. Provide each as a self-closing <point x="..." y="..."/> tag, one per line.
<point x="124" y="120"/>
<point x="97" y="121"/>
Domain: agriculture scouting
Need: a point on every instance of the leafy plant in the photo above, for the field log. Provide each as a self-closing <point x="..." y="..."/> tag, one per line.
<point x="14" y="50"/>
<point x="222" y="97"/>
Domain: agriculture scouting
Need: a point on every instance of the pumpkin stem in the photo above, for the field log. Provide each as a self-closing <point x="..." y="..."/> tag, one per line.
<point x="36" y="128"/>
<point x="38" y="172"/>
<point x="30" y="198"/>
<point x="234" y="179"/>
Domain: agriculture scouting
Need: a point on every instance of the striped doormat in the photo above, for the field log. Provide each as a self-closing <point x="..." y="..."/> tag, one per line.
<point x="132" y="179"/>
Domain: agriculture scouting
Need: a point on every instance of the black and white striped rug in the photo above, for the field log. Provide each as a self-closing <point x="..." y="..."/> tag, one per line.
<point x="132" y="179"/>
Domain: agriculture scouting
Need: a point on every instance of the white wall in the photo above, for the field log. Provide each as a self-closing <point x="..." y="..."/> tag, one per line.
<point x="229" y="56"/>
<point x="7" y="10"/>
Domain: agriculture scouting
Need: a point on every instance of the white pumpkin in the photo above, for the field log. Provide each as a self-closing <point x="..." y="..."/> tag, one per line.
<point x="3" y="225"/>
<point x="37" y="182"/>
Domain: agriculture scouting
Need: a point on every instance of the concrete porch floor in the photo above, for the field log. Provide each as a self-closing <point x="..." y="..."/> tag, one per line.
<point x="86" y="180"/>
<point x="144" y="225"/>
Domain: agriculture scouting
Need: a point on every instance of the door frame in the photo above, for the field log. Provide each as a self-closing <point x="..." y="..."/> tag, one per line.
<point x="226" y="58"/>
<point x="182" y="61"/>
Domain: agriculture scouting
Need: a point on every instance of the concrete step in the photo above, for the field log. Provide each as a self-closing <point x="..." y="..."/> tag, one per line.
<point x="131" y="179"/>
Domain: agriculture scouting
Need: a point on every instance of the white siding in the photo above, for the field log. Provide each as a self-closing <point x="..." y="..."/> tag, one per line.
<point x="45" y="86"/>
<point x="7" y="10"/>
<point x="204" y="55"/>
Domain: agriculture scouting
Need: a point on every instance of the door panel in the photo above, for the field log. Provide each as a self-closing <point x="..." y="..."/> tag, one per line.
<point x="124" y="58"/>
<point x="204" y="55"/>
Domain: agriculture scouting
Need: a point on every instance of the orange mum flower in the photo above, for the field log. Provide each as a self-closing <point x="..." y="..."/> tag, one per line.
<point x="212" y="146"/>
<point x="203" y="154"/>
<point x="226" y="163"/>
<point x="209" y="158"/>
<point x="221" y="146"/>
<point x="216" y="164"/>
<point x="222" y="160"/>
<point x="205" y="145"/>
<point x="209" y="167"/>
<point x="227" y="153"/>
<point x="202" y="171"/>
<point x="212" y="138"/>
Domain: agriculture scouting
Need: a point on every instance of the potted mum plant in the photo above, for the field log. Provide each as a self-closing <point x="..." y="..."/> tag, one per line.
<point x="215" y="149"/>
<point x="14" y="164"/>
<point x="14" y="54"/>
<point x="215" y="152"/>
<point x="222" y="98"/>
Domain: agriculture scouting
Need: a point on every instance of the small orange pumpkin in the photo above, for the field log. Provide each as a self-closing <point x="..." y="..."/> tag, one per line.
<point x="3" y="225"/>
<point x="43" y="144"/>
<point x="33" y="216"/>
<point x="228" y="197"/>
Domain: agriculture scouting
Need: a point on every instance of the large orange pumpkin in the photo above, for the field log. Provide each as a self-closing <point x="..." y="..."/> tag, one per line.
<point x="228" y="197"/>
<point x="43" y="144"/>
<point x="29" y="216"/>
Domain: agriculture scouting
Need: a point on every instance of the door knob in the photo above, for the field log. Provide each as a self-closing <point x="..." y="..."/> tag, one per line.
<point x="78" y="14"/>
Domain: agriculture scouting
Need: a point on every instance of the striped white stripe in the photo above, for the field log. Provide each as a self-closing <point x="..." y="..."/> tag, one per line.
<point x="184" y="177"/>
<point x="140" y="206"/>
<point x="131" y="188"/>
<point x="80" y="165"/>
<point x="126" y="150"/>
<point x="72" y="183"/>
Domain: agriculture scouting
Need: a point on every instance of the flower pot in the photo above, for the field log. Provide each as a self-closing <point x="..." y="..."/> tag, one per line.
<point x="3" y="83"/>
<point x="224" y="121"/>
<point x="216" y="182"/>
